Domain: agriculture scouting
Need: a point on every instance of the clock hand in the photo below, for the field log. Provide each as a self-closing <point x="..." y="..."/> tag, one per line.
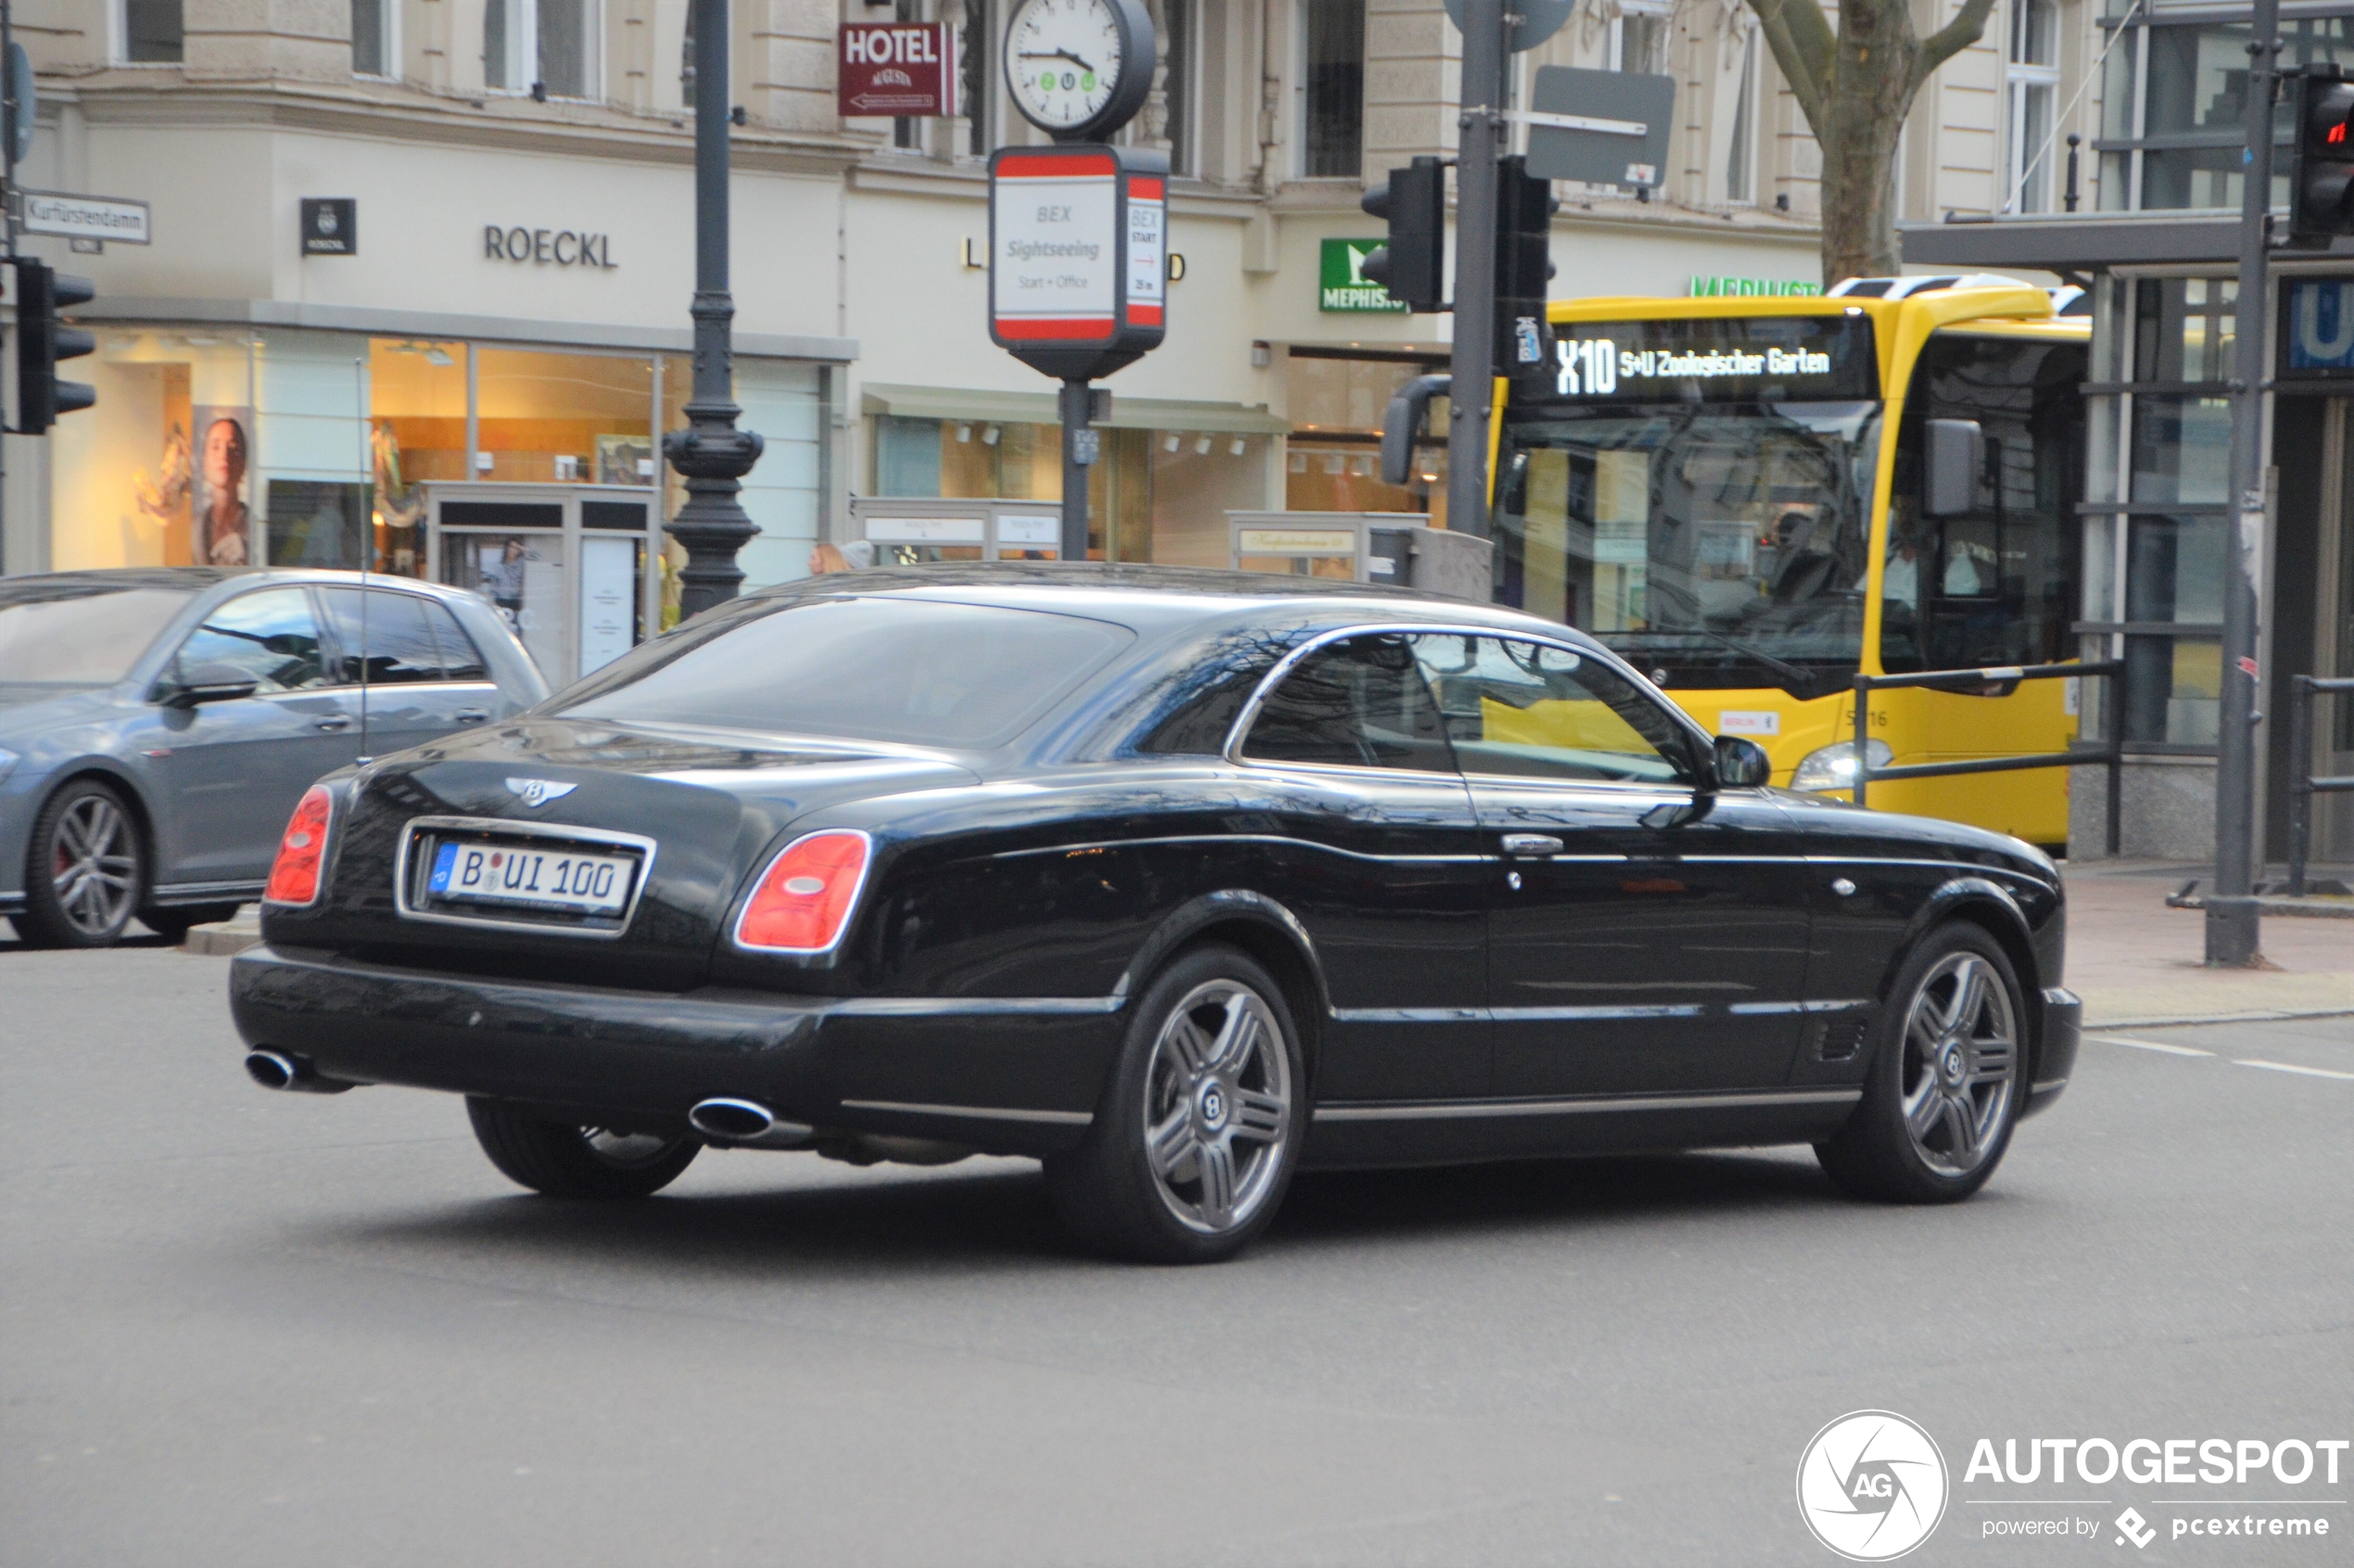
<point x="1056" y="54"/>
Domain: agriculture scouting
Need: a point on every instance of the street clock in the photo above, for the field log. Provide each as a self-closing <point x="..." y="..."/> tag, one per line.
<point x="1079" y="69"/>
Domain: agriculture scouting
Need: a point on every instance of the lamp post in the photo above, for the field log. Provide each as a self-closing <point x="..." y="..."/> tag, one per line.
<point x="711" y="454"/>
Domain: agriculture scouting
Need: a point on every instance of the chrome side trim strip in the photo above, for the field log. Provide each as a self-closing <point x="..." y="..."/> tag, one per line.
<point x="1760" y="1007"/>
<point x="976" y="1113"/>
<point x="1914" y="860"/>
<point x="194" y="891"/>
<point x="1458" y="1109"/>
<point x="1574" y="1015"/>
<point x="1094" y="844"/>
<point x="1409" y="1015"/>
<point x="971" y="1007"/>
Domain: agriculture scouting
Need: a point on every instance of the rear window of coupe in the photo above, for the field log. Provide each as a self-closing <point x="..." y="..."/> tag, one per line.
<point x="915" y="671"/>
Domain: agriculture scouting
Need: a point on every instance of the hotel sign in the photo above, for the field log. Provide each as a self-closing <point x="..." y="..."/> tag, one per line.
<point x="901" y="69"/>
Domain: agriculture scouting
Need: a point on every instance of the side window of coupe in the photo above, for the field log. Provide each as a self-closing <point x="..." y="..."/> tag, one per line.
<point x="1530" y="709"/>
<point x="271" y="635"/>
<point x="1363" y="701"/>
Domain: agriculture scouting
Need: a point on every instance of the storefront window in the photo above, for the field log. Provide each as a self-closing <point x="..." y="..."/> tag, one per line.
<point x="784" y="401"/>
<point x="549" y="417"/>
<point x="417" y="433"/>
<point x="159" y="472"/>
<point x="1336" y="405"/>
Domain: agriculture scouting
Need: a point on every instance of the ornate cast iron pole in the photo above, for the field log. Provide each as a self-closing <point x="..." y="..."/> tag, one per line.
<point x="711" y="454"/>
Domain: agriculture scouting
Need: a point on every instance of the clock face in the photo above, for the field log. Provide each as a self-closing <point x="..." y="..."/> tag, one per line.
<point x="1063" y="61"/>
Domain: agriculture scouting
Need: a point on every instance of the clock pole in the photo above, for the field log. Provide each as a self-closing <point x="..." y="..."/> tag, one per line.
<point x="1081" y="445"/>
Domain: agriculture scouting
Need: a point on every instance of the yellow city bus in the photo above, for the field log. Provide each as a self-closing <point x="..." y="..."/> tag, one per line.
<point x="1729" y="492"/>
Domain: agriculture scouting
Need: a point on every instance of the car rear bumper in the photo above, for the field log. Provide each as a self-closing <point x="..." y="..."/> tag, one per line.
<point x="1014" y="1075"/>
<point x="2056" y="1062"/>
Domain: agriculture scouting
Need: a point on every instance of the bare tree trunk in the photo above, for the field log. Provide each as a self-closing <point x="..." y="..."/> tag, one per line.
<point x="1855" y="87"/>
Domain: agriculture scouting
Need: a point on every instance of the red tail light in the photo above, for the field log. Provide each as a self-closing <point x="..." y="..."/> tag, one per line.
<point x="804" y="901"/>
<point x="294" y="876"/>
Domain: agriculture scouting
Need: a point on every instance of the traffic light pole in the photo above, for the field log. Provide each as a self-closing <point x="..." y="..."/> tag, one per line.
<point x="2232" y="930"/>
<point x="1472" y="390"/>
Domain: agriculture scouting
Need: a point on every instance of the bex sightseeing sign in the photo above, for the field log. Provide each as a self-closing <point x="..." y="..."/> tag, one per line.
<point x="896" y="69"/>
<point x="1078" y="255"/>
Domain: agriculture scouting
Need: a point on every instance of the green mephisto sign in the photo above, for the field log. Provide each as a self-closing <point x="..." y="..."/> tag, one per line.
<point x="1341" y="284"/>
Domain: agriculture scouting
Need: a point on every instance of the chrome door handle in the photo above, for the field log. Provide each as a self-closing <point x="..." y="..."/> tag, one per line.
<point x="1531" y="846"/>
<point x="471" y="716"/>
<point x="336" y="722"/>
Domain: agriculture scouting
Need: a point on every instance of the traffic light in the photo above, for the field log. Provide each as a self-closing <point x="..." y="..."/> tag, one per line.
<point x="2321" y="179"/>
<point x="1524" y="208"/>
<point x="41" y="342"/>
<point x="1412" y="266"/>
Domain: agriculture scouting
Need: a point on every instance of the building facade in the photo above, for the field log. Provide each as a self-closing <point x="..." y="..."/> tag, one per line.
<point x="416" y="291"/>
<point x="2163" y="118"/>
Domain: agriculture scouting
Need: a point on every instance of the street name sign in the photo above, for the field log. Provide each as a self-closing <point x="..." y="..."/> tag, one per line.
<point x="1603" y="127"/>
<point x="85" y="217"/>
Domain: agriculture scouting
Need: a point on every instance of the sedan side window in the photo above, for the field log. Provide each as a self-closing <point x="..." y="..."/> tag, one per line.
<point x="1530" y="709"/>
<point x="391" y="628"/>
<point x="460" y="659"/>
<point x="1363" y="701"/>
<point x="271" y="635"/>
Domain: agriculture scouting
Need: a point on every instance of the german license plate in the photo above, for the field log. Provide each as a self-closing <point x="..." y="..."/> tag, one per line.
<point x="540" y="878"/>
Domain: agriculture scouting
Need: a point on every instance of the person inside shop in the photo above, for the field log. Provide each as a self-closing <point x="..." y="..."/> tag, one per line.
<point x="827" y="557"/>
<point x="502" y="579"/>
<point x="226" y="519"/>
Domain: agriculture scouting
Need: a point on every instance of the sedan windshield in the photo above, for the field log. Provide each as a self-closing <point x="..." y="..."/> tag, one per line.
<point x="1723" y="544"/>
<point x="916" y="671"/>
<point x="82" y="637"/>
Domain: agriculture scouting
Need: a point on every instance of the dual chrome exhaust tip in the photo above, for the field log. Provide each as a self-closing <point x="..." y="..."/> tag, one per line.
<point x="747" y="1124"/>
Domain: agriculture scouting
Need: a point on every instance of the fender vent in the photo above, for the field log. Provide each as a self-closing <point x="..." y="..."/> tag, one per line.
<point x="1838" y="1038"/>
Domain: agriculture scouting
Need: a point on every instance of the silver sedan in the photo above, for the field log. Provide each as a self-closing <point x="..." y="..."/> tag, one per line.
<point x="157" y="726"/>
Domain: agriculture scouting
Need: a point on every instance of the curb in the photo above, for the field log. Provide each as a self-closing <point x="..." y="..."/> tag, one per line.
<point x="223" y="941"/>
<point x="2184" y="1021"/>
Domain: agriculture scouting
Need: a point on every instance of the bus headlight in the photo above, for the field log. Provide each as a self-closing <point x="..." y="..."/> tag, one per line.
<point x="1833" y="767"/>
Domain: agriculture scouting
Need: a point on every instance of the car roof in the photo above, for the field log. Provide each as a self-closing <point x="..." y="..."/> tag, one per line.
<point x="49" y="586"/>
<point x="1153" y="600"/>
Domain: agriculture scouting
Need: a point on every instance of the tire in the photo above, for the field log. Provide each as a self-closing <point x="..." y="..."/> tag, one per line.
<point x="86" y="872"/>
<point x="1198" y="1133"/>
<point x="1947" y="1077"/>
<point x="174" y="924"/>
<point x="565" y="1160"/>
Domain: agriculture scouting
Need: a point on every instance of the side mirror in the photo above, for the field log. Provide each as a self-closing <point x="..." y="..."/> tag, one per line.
<point x="1742" y="764"/>
<point x="212" y="682"/>
<point x="1955" y="457"/>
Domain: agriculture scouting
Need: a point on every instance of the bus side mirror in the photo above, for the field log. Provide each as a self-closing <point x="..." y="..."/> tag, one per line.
<point x="1956" y="457"/>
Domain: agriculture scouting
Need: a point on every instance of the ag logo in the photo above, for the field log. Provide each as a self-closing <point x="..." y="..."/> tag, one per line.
<point x="1871" y="1485"/>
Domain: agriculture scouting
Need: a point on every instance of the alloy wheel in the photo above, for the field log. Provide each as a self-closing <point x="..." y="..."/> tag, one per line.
<point x="1218" y="1106"/>
<point x="1961" y="1063"/>
<point x="94" y="865"/>
<point x="628" y="1151"/>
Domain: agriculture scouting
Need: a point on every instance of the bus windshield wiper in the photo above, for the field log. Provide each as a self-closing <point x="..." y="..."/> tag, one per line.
<point x="1782" y="667"/>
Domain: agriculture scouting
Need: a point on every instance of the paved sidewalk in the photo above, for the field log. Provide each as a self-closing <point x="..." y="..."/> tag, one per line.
<point x="2137" y="962"/>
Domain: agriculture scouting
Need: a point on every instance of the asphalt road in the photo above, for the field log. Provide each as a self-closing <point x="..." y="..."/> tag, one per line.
<point x="248" y="1329"/>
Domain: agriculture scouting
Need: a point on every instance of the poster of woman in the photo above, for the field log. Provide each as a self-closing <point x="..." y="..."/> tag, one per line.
<point x="223" y="519"/>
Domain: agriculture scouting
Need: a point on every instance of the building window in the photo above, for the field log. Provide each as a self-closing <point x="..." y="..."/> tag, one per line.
<point x="1638" y="40"/>
<point x="2172" y="106"/>
<point x="372" y="47"/>
<point x="544" y="47"/>
<point x="2034" y="77"/>
<point x="1333" y="89"/>
<point x="1177" y="82"/>
<point x="151" y="32"/>
<point x="972" y="91"/>
<point x="1740" y="155"/>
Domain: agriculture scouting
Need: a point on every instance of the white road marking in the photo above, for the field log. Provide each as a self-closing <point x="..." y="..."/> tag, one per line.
<point x="2149" y="1045"/>
<point x="2291" y="1067"/>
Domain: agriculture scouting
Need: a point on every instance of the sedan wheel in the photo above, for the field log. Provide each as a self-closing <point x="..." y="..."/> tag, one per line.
<point x="565" y="1159"/>
<point x="1189" y="1155"/>
<point x="1942" y="1095"/>
<point x="88" y="869"/>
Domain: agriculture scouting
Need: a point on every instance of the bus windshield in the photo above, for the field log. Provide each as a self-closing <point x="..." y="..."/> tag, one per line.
<point x="1714" y="544"/>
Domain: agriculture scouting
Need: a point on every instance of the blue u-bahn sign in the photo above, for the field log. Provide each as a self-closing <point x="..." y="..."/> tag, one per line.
<point x="2321" y="326"/>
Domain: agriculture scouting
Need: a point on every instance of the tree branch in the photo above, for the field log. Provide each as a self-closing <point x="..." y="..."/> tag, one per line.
<point x="1806" y="47"/>
<point x="1966" y="28"/>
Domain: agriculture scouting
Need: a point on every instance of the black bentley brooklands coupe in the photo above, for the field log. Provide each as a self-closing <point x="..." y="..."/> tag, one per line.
<point x="1175" y="880"/>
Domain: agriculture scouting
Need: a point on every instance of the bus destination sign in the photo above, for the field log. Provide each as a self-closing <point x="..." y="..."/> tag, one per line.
<point x="1784" y="359"/>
